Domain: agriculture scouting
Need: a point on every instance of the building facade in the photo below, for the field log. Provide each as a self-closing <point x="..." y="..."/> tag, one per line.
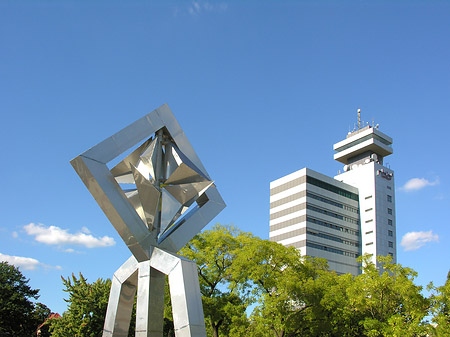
<point x="343" y="217"/>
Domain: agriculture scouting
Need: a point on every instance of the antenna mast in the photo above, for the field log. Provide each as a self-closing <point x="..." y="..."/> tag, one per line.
<point x="359" y="118"/>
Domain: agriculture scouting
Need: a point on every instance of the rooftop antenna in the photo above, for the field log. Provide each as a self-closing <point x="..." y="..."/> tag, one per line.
<point x="359" y="118"/>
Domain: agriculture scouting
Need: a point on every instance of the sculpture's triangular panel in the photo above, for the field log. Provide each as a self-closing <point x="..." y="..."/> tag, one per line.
<point x="170" y="207"/>
<point x="149" y="157"/>
<point x="184" y="175"/>
<point x="173" y="160"/>
<point x="184" y="193"/>
<point x="123" y="167"/>
<point x="149" y="196"/>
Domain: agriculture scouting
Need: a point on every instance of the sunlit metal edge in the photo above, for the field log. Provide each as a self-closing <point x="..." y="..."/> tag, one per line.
<point x="112" y="200"/>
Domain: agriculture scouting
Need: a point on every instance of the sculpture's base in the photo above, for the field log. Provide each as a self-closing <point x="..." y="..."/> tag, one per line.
<point x="149" y="277"/>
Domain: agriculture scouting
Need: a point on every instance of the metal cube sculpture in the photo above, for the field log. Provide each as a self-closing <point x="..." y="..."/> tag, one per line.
<point x="157" y="198"/>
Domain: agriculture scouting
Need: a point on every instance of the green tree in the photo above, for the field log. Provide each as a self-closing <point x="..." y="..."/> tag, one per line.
<point x="339" y="318"/>
<point x="214" y="252"/>
<point x="440" y="308"/>
<point x="284" y="284"/>
<point x="17" y="311"/>
<point x="40" y="313"/>
<point x="86" y="311"/>
<point x="387" y="301"/>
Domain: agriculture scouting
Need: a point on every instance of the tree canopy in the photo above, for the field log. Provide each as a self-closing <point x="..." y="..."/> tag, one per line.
<point x="440" y="308"/>
<point x="254" y="287"/>
<point x="215" y="251"/>
<point x="19" y="315"/>
<point x="86" y="310"/>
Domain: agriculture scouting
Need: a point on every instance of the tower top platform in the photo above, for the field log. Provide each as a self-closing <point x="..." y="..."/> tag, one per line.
<point x="368" y="140"/>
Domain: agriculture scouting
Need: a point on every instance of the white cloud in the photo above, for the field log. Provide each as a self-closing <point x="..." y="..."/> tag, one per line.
<point x="85" y="230"/>
<point x="15" y="235"/>
<point x="415" y="240"/>
<point x="54" y="235"/>
<point x="26" y="263"/>
<point x="416" y="184"/>
<point x="198" y="7"/>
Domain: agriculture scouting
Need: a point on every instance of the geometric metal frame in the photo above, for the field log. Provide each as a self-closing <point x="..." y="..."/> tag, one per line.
<point x="153" y="253"/>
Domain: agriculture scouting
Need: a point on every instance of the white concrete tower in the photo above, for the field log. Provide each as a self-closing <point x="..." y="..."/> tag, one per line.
<point x="362" y="152"/>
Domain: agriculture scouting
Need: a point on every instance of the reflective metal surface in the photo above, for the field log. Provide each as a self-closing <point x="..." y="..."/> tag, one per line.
<point x="121" y="298"/>
<point x="149" y="198"/>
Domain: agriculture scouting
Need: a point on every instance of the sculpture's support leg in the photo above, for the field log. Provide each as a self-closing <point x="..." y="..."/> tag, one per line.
<point x="186" y="300"/>
<point x="185" y="293"/>
<point x="121" y="299"/>
<point x="150" y="302"/>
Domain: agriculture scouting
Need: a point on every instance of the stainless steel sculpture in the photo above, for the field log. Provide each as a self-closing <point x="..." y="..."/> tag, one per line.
<point x="157" y="198"/>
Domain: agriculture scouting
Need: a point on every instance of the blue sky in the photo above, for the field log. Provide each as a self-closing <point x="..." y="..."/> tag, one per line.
<point x="261" y="89"/>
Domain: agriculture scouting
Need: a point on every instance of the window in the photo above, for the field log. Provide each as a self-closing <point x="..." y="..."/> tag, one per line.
<point x="391" y="254"/>
<point x="331" y="202"/>
<point x="391" y="244"/>
<point x="331" y="188"/>
<point x="324" y="211"/>
<point x="389" y="198"/>
<point x="368" y="197"/>
<point x="390" y="233"/>
<point x="326" y="224"/>
<point x="370" y="243"/>
<point x="330" y="249"/>
<point x="370" y="220"/>
<point x="333" y="238"/>
<point x="390" y="211"/>
<point x="389" y="187"/>
<point x="369" y="209"/>
<point x="369" y="232"/>
<point x="390" y="222"/>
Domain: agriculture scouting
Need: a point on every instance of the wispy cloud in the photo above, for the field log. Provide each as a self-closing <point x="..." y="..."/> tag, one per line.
<point x="416" y="184"/>
<point x="198" y="7"/>
<point x="53" y="235"/>
<point x="416" y="240"/>
<point x="26" y="263"/>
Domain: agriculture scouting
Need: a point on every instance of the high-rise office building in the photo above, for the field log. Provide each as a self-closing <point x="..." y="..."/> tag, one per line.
<point x="343" y="217"/>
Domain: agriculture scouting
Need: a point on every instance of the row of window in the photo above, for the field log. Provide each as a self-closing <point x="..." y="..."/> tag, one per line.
<point x="332" y="226"/>
<point x="331" y="249"/>
<point x="332" y="202"/>
<point x="333" y="238"/>
<point x="313" y="196"/>
<point x="300" y="207"/>
<point x="390" y="244"/>
<point x="390" y="233"/>
<point x="331" y="188"/>
<point x="332" y="214"/>
<point x="389" y="197"/>
<point x="389" y="210"/>
<point x="389" y="221"/>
